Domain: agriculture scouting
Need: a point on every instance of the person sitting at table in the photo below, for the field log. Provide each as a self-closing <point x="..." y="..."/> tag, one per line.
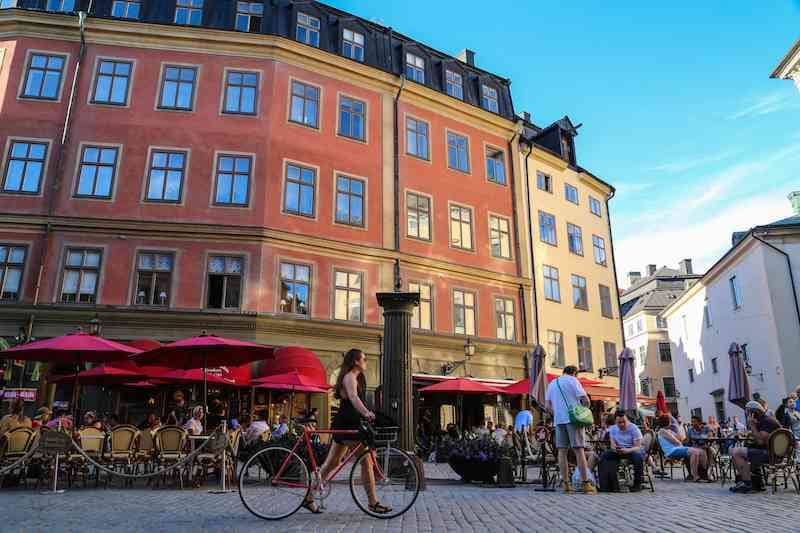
<point x="626" y="442"/>
<point x="792" y="417"/>
<point x="216" y="414"/>
<point x="283" y="427"/>
<point x="256" y="429"/>
<point x="737" y="425"/>
<point x="673" y="448"/>
<point x="195" y="424"/>
<point x="180" y="409"/>
<point x="698" y="430"/>
<point x="16" y="418"/>
<point x="90" y="420"/>
<point x="713" y="426"/>
<point x="61" y="420"/>
<point x="42" y="417"/>
<point x="499" y="433"/>
<point x="745" y="459"/>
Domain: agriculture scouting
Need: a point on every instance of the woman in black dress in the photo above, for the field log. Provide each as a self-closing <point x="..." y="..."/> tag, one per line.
<point x="351" y="387"/>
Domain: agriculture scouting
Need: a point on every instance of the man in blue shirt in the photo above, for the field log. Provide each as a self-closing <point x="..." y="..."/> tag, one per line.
<point x="626" y="443"/>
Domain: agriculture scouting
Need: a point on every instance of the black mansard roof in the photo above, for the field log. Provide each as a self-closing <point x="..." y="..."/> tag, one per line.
<point x="385" y="49"/>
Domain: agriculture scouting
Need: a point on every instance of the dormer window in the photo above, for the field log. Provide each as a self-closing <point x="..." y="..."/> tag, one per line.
<point x="249" y="16"/>
<point x="415" y="68"/>
<point x="489" y="98"/>
<point x="308" y="29"/>
<point x="353" y="45"/>
<point x="126" y="9"/>
<point x="189" y="12"/>
<point x="455" y="84"/>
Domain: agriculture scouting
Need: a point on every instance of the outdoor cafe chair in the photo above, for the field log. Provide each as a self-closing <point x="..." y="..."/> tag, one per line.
<point x="123" y="442"/>
<point x="145" y="451"/>
<point x="14" y="445"/>
<point x="170" y="449"/>
<point x="781" y="465"/>
<point x="92" y="442"/>
<point x="626" y="467"/>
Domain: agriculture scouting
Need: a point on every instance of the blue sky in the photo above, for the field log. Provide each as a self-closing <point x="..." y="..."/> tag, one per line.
<point x="678" y="109"/>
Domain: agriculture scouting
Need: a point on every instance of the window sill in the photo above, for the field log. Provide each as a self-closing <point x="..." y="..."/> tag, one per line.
<point x="304" y="125"/>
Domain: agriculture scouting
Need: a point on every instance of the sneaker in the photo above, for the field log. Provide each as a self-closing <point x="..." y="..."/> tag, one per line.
<point x="568" y="488"/>
<point x="742" y="488"/>
<point x="589" y="488"/>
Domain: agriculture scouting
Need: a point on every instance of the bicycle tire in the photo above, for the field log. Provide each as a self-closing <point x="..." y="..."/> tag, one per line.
<point x="261" y="459"/>
<point x="406" y="465"/>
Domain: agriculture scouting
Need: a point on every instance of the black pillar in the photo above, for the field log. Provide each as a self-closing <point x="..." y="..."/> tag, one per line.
<point x="397" y="400"/>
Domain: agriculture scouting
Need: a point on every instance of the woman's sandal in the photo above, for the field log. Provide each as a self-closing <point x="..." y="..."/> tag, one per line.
<point x="311" y="506"/>
<point x="380" y="509"/>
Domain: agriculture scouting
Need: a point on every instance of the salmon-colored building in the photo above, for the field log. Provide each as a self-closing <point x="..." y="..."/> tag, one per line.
<point x="257" y="170"/>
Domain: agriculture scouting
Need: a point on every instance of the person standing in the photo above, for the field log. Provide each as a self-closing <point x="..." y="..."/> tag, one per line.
<point x="562" y="394"/>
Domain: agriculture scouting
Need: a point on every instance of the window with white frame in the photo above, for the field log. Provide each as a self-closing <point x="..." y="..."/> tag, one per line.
<point x="454" y="84"/>
<point x="417" y="138"/>
<point x="463" y="312"/>
<point x="233" y="174"/>
<point x="153" y="279"/>
<point x="165" y="176"/>
<point x="241" y="93"/>
<point x="489" y="98"/>
<point x="736" y="293"/>
<point x="575" y="239"/>
<point x="580" y="299"/>
<point x="555" y="347"/>
<point x="500" y="237"/>
<point x="189" y="12"/>
<point x="12" y="266"/>
<point x="552" y="288"/>
<point x="178" y="88"/>
<point x="112" y="82"/>
<point x="661" y="322"/>
<point x="571" y="194"/>
<point x="25" y="167"/>
<point x="457" y="152"/>
<point x="295" y="288"/>
<point x="664" y="352"/>
<point x="595" y="207"/>
<point x="642" y="351"/>
<point x="126" y="9"/>
<point x="96" y="172"/>
<point x="299" y="195"/>
<point x="418" y="216"/>
<point x="348" y="296"/>
<point x="606" y="309"/>
<point x="81" y="274"/>
<point x="224" y="282"/>
<point x="461" y="227"/>
<point x="422" y="316"/>
<point x="44" y="75"/>
<point x="544" y="182"/>
<point x="495" y="166"/>
<point x="353" y="44"/>
<point x="415" y="68"/>
<point x="307" y="29"/>
<point x="547" y="228"/>
<point x="504" y="318"/>
<point x="304" y="104"/>
<point x="599" y="246"/>
<point x="249" y="16"/>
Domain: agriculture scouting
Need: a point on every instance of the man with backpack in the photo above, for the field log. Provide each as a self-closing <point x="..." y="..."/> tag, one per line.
<point x="564" y="398"/>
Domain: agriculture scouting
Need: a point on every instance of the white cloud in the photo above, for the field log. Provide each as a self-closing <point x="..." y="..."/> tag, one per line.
<point x="764" y="105"/>
<point x="682" y="165"/>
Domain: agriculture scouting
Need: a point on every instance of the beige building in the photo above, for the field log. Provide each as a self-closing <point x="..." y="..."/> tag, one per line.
<point x="646" y="332"/>
<point x="576" y="312"/>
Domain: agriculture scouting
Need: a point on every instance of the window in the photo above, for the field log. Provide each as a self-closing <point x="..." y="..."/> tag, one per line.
<point x="233" y="179"/>
<point x="454" y="84"/>
<point x="224" y="282"/>
<point x="126" y="9"/>
<point x="349" y="201"/>
<point x="585" y="354"/>
<point x="645" y="387"/>
<point x="241" y="92"/>
<point x="352" y="118"/>
<point x="719" y="404"/>
<point x="177" y="88"/>
<point x="43" y="79"/>
<point x="96" y="173"/>
<point x="495" y="166"/>
<point x="6" y="4"/>
<point x="12" y="265"/>
<point x="463" y="312"/>
<point x="594" y="206"/>
<point x="249" y="16"/>
<point x="81" y="272"/>
<point x="691" y="375"/>
<point x="165" y="179"/>
<point x="736" y="293"/>
<point x="610" y="353"/>
<point x="347" y="305"/>
<point x="707" y="316"/>
<point x="415" y="68"/>
<point x="714" y="365"/>
<point x="418" y="216"/>
<point x="575" y="239"/>
<point x="544" y="182"/>
<point x="422" y="316"/>
<point x="295" y="288"/>
<point x="661" y="322"/>
<point x="417" y="138"/>
<point x="579" y="297"/>
<point x="630" y="330"/>
<point x="300" y="191"/>
<point x="669" y="387"/>
<point x="153" y="279"/>
<point x="555" y="347"/>
<point x="189" y="12"/>
<point x="571" y="193"/>
<point x="639" y="325"/>
<point x="552" y="289"/>
<point x="25" y="167"/>
<point x="697" y="412"/>
<point x="305" y="104"/>
<point x="457" y="152"/>
<point x="489" y="98"/>
<point x="461" y="227"/>
<point x="63" y="6"/>
<point x="599" y="246"/>
<point x="353" y="44"/>
<point x="504" y="318"/>
<point x="547" y="228"/>
<point x="307" y="29"/>
<point x="606" y="308"/>
<point x="500" y="237"/>
<point x="642" y="356"/>
<point x="111" y="82"/>
<point x="664" y="352"/>
<point x="685" y="328"/>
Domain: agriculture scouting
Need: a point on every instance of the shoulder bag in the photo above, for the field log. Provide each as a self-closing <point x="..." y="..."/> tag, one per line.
<point x="580" y="415"/>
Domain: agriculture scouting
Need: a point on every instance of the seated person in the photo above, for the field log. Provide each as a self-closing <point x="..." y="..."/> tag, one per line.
<point x="673" y="448"/>
<point x="283" y="427"/>
<point x="256" y="429"/>
<point x="90" y="421"/>
<point x="499" y="434"/>
<point x="745" y="459"/>
<point x="626" y="442"/>
<point x="16" y="418"/>
<point x="696" y="437"/>
<point x="195" y="424"/>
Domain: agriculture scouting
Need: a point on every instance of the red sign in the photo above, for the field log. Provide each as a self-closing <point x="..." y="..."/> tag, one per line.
<point x="29" y="395"/>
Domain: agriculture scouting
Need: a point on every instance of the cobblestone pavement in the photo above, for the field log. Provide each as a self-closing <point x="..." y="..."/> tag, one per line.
<point x="445" y="506"/>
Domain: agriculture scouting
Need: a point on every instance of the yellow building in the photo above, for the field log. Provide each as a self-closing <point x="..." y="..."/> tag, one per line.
<point x="576" y="311"/>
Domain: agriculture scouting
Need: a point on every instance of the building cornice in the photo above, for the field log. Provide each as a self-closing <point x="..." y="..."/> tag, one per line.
<point x="788" y="68"/>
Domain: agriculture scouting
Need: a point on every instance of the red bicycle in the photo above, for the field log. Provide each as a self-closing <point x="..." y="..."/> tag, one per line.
<point x="275" y="482"/>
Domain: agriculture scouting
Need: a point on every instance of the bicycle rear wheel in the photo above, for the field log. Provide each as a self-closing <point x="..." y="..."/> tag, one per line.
<point x="274" y="483"/>
<point x="397" y="481"/>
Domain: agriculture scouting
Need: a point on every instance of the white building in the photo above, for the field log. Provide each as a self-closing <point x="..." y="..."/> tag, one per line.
<point x="749" y="297"/>
<point x="789" y="67"/>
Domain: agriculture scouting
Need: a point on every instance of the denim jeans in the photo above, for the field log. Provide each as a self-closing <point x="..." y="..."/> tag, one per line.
<point x="636" y="458"/>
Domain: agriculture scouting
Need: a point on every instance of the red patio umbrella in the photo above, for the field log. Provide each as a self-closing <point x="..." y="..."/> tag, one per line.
<point x="523" y="386"/>
<point x="661" y="403"/>
<point x="462" y="386"/>
<point x="195" y="375"/>
<point x="103" y="375"/>
<point x="140" y="385"/>
<point x="290" y="381"/>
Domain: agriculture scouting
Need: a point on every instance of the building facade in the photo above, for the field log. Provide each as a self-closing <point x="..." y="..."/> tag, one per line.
<point x="256" y="170"/>
<point x="748" y="297"/>
<point x="577" y="314"/>
<point x="646" y="332"/>
<point x="789" y="66"/>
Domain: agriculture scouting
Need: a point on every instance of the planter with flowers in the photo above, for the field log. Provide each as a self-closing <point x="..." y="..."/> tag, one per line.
<point x="476" y="459"/>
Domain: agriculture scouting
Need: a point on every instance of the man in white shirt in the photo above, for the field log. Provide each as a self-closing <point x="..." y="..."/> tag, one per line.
<point x="257" y="429"/>
<point x="562" y="394"/>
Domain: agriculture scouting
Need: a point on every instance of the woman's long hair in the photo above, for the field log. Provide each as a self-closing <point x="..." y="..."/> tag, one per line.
<point x="348" y="363"/>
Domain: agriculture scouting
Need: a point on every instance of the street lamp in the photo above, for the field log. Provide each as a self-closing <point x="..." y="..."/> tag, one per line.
<point x="95" y="326"/>
<point x="469" y="349"/>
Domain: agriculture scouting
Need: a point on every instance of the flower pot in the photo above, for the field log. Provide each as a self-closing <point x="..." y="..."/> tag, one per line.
<point x="474" y="470"/>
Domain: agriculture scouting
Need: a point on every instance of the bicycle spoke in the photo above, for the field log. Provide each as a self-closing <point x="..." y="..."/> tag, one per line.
<point x="279" y="489"/>
<point x="396" y="481"/>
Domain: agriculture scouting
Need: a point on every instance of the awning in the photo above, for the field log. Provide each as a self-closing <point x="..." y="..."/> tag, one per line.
<point x="427" y="379"/>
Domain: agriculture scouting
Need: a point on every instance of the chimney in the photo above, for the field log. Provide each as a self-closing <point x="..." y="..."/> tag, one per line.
<point x="651" y="270"/>
<point x="634" y="277"/>
<point x="794" y="197"/>
<point x="467" y="56"/>
<point x="526" y="116"/>
<point x="686" y="266"/>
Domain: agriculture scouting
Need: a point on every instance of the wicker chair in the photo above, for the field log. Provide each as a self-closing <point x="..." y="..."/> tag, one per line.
<point x="170" y="449"/>
<point x="145" y="451"/>
<point x="92" y="442"/>
<point x="14" y="445"/>
<point x="781" y="465"/>
<point x="123" y="442"/>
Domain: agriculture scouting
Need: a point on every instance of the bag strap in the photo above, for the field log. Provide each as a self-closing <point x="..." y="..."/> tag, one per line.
<point x="562" y="393"/>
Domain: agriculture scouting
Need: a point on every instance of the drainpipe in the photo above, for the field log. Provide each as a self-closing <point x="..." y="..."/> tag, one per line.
<point x="789" y="266"/>
<point x="530" y="243"/>
<point x="397" y="163"/>
<point x="512" y="183"/>
<point x="59" y="162"/>
<point x="609" y="197"/>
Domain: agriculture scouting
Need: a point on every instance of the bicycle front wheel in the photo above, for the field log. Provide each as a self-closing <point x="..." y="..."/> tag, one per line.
<point x="395" y="477"/>
<point x="274" y="483"/>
